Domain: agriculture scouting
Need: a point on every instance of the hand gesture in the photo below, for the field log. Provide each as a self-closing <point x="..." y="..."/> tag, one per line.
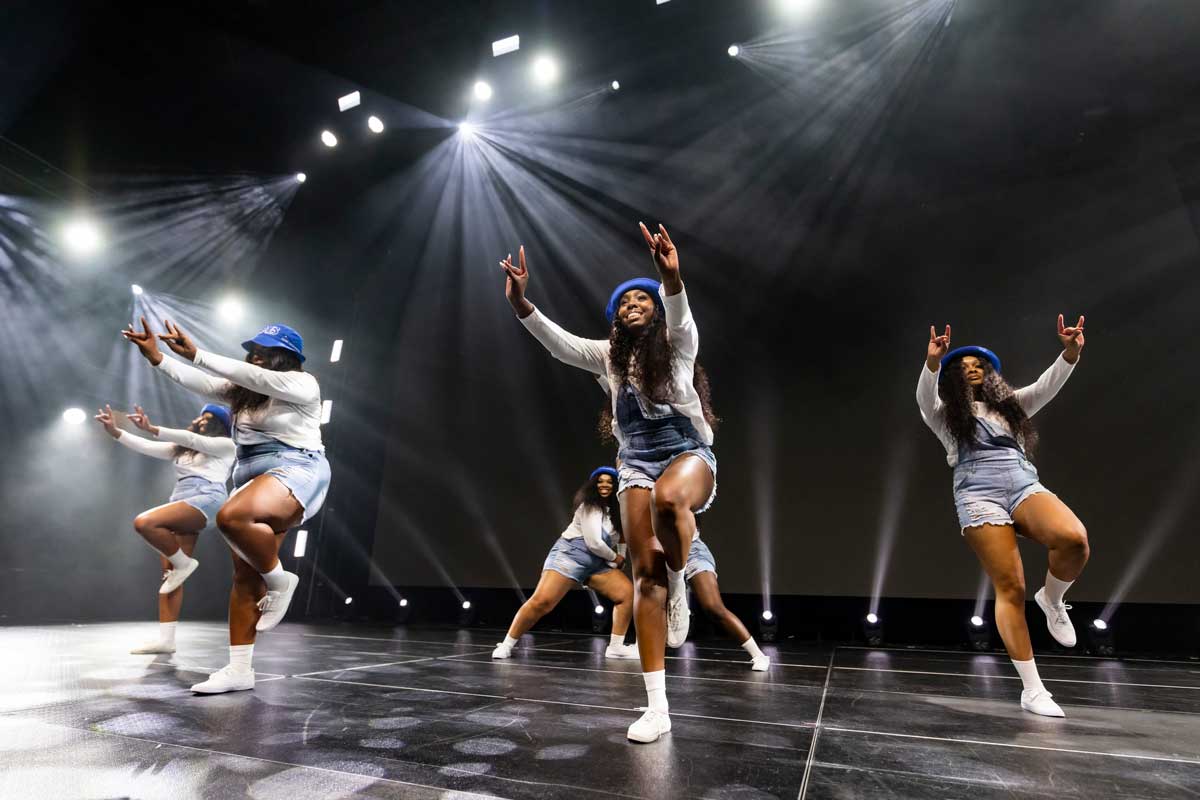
<point x="664" y="253"/>
<point x="938" y="347"/>
<point x="142" y="420"/>
<point x="145" y="342"/>
<point x="516" y="279"/>
<point x="1071" y="338"/>
<point x="105" y="418"/>
<point x="178" y="341"/>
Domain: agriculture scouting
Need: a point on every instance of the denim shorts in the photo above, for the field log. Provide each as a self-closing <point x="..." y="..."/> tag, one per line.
<point x="304" y="472"/>
<point x="205" y="496"/>
<point x="643" y="472"/>
<point x="988" y="491"/>
<point x="700" y="559"/>
<point x="572" y="559"/>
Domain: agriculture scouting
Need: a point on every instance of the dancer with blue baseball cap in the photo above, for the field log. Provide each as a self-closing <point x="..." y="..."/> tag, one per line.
<point x="202" y="454"/>
<point x="662" y="419"/>
<point x="986" y="428"/>
<point x="280" y="478"/>
<point x="588" y="553"/>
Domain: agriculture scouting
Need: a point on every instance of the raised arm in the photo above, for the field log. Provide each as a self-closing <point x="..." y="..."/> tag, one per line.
<point x="685" y="338"/>
<point x="291" y="387"/>
<point x="219" y="446"/>
<point x="589" y="354"/>
<point x="137" y="444"/>
<point x="1037" y="394"/>
<point x="927" y="385"/>
<point x="591" y="522"/>
<point x="193" y="379"/>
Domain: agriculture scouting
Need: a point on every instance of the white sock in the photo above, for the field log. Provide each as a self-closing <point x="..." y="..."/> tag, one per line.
<point x="751" y="647"/>
<point x="240" y="655"/>
<point x="276" y="582"/>
<point x="675" y="580"/>
<point x="166" y="632"/>
<point x="509" y="641"/>
<point x="616" y="640"/>
<point x="656" y="690"/>
<point x="1029" y="674"/>
<point x="1055" y="589"/>
<point x="179" y="559"/>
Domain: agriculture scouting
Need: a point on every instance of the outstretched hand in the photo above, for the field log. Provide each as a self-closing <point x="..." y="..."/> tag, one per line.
<point x="105" y="417"/>
<point x="516" y="279"/>
<point x="938" y="347"/>
<point x="145" y="341"/>
<point x="178" y="341"/>
<point x="665" y="256"/>
<point x="142" y="420"/>
<point x="1071" y="338"/>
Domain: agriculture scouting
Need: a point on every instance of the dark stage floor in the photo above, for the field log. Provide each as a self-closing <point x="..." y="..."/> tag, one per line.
<point x="369" y="712"/>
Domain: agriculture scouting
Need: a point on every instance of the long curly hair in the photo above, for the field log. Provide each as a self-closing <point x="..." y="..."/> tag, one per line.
<point x="995" y="393"/>
<point x="589" y="495"/>
<point x="644" y="360"/>
<point x="276" y="358"/>
<point x="215" y="427"/>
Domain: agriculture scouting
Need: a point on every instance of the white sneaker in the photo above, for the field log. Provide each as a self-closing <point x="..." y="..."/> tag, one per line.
<point x="174" y="578"/>
<point x="652" y="725"/>
<point x="274" y="605"/>
<point x="760" y="664"/>
<point x="1039" y="702"/>
<point x="1057" y="621"/>
<point x="226" y="679"/>
<point x="502" y="651"/>
<point x="153" y="648"/>
<point x="678" y="618"/>
<point x="621" y="651"/>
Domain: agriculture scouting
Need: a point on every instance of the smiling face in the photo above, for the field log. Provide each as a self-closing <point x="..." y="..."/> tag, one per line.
<point x="604" y="485"/>
<point x="973" y="370"/>
<point x="635" y="309"/>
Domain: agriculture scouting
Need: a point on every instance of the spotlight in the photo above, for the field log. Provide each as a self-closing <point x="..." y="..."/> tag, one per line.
<point x="137" y="290"/>
<point x="873" y="630"/>
<point x="483" y="91"/>
<point x="336" y="355"/>
<point x="466" y="129"/>
<point x="328" y="139"/>
<point x="466" y="614"/>
<point x="599" y="621"/>
<point x="404" y="602"/>
<point x="616" y="86"/>
<point x="301" y="543"/>
<point x="734" y="51"/>
<point x="466" y="604"/>
<point x="74" y="416"/>
<point x="349" y="600"/>
<point x="978" y="634"/>
<point x="599" y="611"/>
<point x="375" y="124"/>
<point x="301" y="177"/>
<point x="768" y="625"/>
<point x="82" y="236"/>
<point x="230" y="309"/>
<point x="1100" y="636"/>
<point x="795" y="7"/>
<point x="545" y="70"/>
<point x="349" y="101"/>
<point x="508" y="44"/>
<point x="402" y="611"/>
<point x="326" y="411"/>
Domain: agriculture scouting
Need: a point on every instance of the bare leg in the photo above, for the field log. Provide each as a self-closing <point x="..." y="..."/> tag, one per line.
<point x="551" y="589"/>
<point x="708" y="594"/>
<point x="1047" y="520"/>
<point x="649" y="578"/>
<point x="682" y="488"/>
<point x="255" y="518"/>
<point x="159" y="525"/>
<point x="169" y="604"/>
<point x="996" y="547"/>
<point x="619" y="589"/>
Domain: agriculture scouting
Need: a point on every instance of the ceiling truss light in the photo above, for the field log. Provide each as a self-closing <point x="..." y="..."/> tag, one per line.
<point x="328" y="139"/>
<point x="349" y="101"/>
<point x="509" y="44"/>
<point x="375" y="124"/>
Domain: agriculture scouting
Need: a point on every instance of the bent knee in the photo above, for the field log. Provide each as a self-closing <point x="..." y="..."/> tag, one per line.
<point x="1076" y="537"/>
<point x="670" y="499"/>
<point x="231" y="518"/>
<point x="143" y="523"/>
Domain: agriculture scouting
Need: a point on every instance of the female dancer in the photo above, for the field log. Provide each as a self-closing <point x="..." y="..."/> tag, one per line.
<point x="986" y="429"/>
<point x="280" y="478"/>
<point x="663" y="425"/>
<point x="203" y="456"/>
<point x="701" y="573"/>
<point x="583" y="555"/>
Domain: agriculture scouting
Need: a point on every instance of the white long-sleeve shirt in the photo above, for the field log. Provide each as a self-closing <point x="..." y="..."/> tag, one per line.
<point x="591" y="524"/>
<point x="1032" y="399"/>
<point x="292" y="415"/>
<point x="592" y="355"/>
<point x="212" y="457"/>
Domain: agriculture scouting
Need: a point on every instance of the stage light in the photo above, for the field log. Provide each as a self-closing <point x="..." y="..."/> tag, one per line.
<point x="466" y="605"/>
<point x="1100" y="636"/>
<point x="509" y="44"/>
<point x="336" y="355"/>
<point x="466" y="129"/>
<point x="599" y="620"/>
<point x="734" y="50"/>
<point x="74" y="416"/>
<point x="328" y="139"/>
<point x="768" y="626"/>
<point x="230" y="309"/>
<point x="545" y="70"/>
<point x="82" y="236"/>
<point x="301" y="543"/>
<point x="466" y="615"/>
<point x="616" y="86"/>
<point x="977" y="621"/>
<point x="660" y="2"/>
<point x="404" y="602"/>
<point x="375" y="124"/>
<point x="137" y="290"/>
<point x="483" y="91"/>
<point x="873" y="630"/>
<point x="402" y="611"/>
<point x="795" y="7"/>
<point x="979" y="634"/>
<point x="326" y="411"/>
<point x="599" y="610"/>
<point x="768" y="616"/>
<point x="349" y="600"/>
<point x="301" y="177"/>
<point x="349" y="101"/>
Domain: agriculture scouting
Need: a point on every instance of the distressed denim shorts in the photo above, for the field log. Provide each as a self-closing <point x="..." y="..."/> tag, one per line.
<point x="572" y="559"/>
<point x="988" y="491"/>
<point x="639" y="471"/>
<point x="304" y="472"/>
<point x="700" y="559"/>
<point x="204" y="495"/>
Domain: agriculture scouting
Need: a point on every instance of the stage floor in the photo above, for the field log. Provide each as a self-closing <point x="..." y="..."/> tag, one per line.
<point x="412" y="712"/>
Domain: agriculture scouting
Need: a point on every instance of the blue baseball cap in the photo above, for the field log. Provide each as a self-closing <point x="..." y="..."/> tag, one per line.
<point x="972" y="350"/>
<point x="278" y="335"/>
<point x="598" y="471"/>
<point x="220" y="412"/>
<point x="645" y="284"/>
